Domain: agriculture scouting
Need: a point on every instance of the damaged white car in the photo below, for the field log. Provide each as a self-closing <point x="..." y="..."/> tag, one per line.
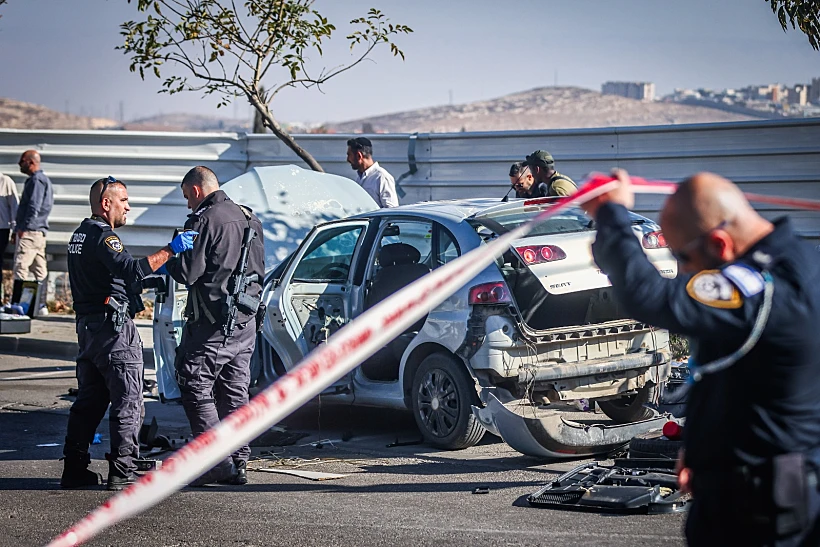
<point x="537" y="327"/>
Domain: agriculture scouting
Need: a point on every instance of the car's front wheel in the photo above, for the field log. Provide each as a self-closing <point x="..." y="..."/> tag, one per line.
<point x="443" y="395"/>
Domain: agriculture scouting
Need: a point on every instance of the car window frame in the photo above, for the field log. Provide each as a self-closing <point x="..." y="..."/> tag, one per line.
<point x="302" y="250"/>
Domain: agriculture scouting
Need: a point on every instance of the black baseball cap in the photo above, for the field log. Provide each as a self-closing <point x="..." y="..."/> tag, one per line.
<point x="541" y="158"/>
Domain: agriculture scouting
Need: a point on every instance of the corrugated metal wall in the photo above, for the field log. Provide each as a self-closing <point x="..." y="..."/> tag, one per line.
<point x="769" y="157"/>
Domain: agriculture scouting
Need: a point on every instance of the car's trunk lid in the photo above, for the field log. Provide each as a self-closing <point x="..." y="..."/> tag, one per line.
<point x="552" y="274"/>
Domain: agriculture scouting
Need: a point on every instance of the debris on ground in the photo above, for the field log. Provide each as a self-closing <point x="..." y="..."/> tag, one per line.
<point x="310" y="475"/>
<point x="149" y="437"/>
<point x="404" y="443"/>
<point x="481" y="490"/>
<point x="278" y="436"/>
<point x="648" y="486"/>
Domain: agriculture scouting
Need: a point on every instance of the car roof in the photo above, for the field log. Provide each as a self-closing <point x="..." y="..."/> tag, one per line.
<point x="456" y="210"/>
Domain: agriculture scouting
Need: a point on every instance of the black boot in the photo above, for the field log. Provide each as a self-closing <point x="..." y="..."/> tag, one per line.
<point x="119" y="479"/>
<point x="76" y="473"/>
<point x="240" y="477"/>
<point x="222" y="473"/>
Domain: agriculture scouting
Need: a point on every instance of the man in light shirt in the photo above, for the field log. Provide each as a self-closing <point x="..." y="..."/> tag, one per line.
<point x="9" y="199"/>
<point x="375" y="180"/>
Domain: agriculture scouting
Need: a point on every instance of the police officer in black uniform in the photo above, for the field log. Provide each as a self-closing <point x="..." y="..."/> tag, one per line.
<point x="106" y="282"/>
<point x="213" y="360"/>
<point x="748" y="296"/>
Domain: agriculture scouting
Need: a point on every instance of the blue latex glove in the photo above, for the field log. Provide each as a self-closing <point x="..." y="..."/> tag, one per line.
<point x="162" y="270"/>
<point x="183" y="242"/>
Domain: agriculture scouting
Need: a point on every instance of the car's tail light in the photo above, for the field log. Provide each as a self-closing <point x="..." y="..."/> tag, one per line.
<point x="490" y="293"/>
<point x="654" y="240"/>
<point x="538" y="254"/>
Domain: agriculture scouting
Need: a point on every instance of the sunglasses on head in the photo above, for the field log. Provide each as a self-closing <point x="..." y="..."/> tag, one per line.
<point x="106" y="182"/>
<point x="684" y="254"/>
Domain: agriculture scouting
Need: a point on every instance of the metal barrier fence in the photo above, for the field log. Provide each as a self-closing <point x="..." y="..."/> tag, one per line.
<point x="779" y="157"/>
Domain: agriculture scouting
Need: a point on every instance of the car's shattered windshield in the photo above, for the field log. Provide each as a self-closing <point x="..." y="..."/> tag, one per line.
<point x="571" y="220"/>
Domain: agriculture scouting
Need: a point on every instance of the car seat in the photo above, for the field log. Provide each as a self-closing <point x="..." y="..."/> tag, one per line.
<point x="399" y="267"/>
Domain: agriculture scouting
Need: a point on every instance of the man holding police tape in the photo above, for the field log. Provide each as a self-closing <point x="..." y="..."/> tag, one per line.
<point x="224" y="274"/>
<point x="748" y="296"/>
<point x="106" y="282"/>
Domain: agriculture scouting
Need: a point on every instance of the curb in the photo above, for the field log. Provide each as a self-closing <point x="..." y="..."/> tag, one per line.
<point x="52" y="348"/>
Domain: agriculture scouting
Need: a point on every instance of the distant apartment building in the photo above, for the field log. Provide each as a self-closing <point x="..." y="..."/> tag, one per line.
<point x="642" y="91"/>
<point x="799" y="95"/>
<point x="814" y="91"/>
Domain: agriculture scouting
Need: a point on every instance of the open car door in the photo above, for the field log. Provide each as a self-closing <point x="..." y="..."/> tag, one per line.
<point x="313" y="297"/>
<point x="289" y="201"/>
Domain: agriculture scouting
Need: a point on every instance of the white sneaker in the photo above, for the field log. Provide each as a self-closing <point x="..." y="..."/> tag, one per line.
<point x="43" y="311"/>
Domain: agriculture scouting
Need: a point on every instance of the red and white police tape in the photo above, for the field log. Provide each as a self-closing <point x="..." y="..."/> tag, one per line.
<point x="348" y="348"/>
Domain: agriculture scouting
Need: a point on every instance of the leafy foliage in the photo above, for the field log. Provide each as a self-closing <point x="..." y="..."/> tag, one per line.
<point x="679" y="346"/>
<point x="229" y="52"/>
<point x="802" y="14"/>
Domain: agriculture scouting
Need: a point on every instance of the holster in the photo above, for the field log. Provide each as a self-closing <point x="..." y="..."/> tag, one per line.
<point x="260" y="316"/>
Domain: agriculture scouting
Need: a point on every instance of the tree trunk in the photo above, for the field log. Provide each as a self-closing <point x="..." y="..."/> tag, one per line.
<point x="284" y="136"/>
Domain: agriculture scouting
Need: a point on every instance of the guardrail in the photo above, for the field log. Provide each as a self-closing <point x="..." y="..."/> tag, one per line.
<point x="779" y="157"/>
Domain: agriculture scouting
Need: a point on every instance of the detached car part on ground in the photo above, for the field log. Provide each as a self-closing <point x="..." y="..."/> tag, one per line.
<point x="539" y="327"/>
<point x="629" y="486"/>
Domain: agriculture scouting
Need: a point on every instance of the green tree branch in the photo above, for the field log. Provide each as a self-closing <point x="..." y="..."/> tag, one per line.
<point x="219" y="48"/>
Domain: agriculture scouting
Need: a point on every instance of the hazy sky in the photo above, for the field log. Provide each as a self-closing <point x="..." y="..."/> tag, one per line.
<point x="60" y="53"/>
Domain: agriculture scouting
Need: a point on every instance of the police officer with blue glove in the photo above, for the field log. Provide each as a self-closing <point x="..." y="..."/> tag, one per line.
<point x="106" y="282"/>
<point x="224" y="274"/>
<point x="748" y="296"/>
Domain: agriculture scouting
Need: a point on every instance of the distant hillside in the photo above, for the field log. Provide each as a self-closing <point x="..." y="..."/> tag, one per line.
<point x="187" y="122"/>
<point x="541" y="108"/>
<point x="20" y="115"/>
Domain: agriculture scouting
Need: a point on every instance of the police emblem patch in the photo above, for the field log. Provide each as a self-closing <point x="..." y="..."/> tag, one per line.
<point x="114" y="243"/>
<point x="712" y="288"/>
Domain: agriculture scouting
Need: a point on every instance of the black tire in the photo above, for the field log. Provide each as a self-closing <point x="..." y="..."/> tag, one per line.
<point x="654" y="445"/>
<point x="442" y="396"/>
<point x="629" y="408"/>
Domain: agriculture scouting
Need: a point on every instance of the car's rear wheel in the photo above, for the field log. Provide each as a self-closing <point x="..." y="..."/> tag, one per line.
<point x="443" y="395"/>
<point x="629" y="408"/>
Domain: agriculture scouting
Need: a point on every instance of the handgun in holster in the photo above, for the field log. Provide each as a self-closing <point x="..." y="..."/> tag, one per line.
<point x="119" y="311"/>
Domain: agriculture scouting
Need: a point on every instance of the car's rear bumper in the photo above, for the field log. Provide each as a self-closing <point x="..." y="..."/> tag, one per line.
<point x="550" y="434"/>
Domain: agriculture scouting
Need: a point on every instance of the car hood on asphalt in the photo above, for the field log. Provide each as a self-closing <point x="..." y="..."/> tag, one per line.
<point x="290" y="201"/>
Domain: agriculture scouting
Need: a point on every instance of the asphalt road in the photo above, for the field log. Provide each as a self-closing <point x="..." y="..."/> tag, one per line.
<point x="403" y="495"/>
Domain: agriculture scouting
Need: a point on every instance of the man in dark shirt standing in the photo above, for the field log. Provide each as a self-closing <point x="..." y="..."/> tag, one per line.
<point x="213" y="361"/>
<point x="749" y="298"/>
<point x="105" y="283"/>
<point x="31" y="225"/>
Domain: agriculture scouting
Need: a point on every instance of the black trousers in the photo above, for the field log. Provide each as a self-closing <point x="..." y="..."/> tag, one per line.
<point x="109" y="370"/>
<point x="757" y="508"/>
<point x="214" y="374"/>
<point x="5" y="234"/>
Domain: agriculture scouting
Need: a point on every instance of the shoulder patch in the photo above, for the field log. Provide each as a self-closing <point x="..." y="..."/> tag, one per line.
<point x="114" y="243"/>
<point x="712" y="288"/>
<point x="748" y="280"/>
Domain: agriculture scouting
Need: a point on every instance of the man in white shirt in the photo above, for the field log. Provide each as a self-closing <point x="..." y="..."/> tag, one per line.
<point x="9" y="199"/>
<point x="375" y="180"/>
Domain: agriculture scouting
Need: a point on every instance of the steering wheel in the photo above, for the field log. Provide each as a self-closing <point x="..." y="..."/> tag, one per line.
<point x="334" y="271"/>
